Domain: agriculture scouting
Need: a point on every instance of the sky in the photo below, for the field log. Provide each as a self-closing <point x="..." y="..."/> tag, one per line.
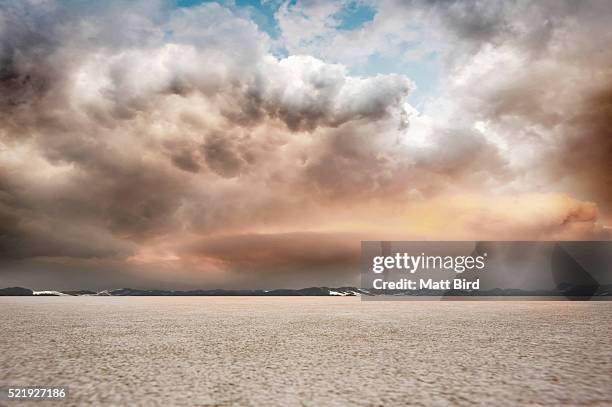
<point x="254" y="144"/>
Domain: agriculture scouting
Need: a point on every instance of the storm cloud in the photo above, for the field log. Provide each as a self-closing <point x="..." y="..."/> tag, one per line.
<point x="140" y="139"/>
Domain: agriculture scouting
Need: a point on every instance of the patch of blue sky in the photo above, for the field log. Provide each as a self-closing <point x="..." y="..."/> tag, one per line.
<point x="424" y="72"/>
<point x="354" y="15"/>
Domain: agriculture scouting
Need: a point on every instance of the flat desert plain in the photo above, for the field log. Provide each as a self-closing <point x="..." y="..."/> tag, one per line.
<point x="307" y="351"/>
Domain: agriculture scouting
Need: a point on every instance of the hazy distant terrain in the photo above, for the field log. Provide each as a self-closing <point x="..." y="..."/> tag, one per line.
<point x="308" y="351"/>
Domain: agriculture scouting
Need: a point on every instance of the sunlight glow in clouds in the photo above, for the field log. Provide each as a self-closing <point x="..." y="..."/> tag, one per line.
<point x="144" y="142"/>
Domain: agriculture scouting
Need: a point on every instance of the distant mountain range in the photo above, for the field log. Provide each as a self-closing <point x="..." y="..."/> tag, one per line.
<point x="311" y="291"/>
<point x="564" y="290"/>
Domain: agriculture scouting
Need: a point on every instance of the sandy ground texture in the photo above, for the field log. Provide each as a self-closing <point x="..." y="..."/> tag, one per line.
<point x="226" y="351"/>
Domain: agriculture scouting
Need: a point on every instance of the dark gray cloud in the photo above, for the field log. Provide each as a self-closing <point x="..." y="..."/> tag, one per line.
<point x="221" y="156"/>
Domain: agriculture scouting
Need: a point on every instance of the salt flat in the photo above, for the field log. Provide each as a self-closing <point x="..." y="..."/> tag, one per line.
<point x="314" y="351"/>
